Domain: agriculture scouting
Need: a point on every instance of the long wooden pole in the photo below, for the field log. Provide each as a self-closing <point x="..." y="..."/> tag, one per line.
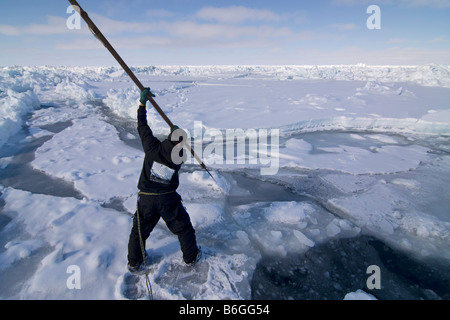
<point x="97" y="33"/>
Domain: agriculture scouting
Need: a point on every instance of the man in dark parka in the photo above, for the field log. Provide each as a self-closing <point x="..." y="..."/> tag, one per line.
<point x="158" y="198"/>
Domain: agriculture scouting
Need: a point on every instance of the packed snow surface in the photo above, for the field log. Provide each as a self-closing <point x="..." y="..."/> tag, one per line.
<point x="335" y="161"/>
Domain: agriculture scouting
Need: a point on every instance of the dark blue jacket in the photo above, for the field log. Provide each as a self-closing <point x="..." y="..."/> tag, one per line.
<point x="159" y="174"/>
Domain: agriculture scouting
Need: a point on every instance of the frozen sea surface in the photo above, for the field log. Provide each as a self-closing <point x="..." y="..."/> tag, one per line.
<point x="364" y="156"/>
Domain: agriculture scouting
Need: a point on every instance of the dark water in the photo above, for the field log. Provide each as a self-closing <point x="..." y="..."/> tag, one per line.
<point x="19" y="173"/>
<point x="331" y="270"/>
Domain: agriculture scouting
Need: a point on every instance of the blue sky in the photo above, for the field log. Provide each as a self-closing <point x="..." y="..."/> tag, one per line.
<point x="199" y="32"/>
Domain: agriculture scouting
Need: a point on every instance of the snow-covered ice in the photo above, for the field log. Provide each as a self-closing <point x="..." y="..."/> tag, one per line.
<point x="359" y="295"/>
<point x="103" y="175"/>
<point x="362" y="161"/>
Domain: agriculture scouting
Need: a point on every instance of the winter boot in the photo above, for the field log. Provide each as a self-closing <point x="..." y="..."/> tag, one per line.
<point x="197" y="258"/>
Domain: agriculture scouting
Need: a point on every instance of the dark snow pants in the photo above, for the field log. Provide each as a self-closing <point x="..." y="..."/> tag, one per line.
<point x="169" y="207"/>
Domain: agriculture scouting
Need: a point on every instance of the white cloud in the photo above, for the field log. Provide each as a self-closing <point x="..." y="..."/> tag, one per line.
<point x="361" y="2"/>
<point x="428" y="3"/>
<point x="111" y="26"/>
<point x="8" y="30"/>
<point x="118" y="43"/>
<point x="185" y="34"/>
<point x="237" y="28"/>
<point x="407" y="3"/>
<point x="398" y="41"/>
<point x="58" y="26"/>
<point x="237" y="14"/>
<point x="160" y="13"/>
<point x="440" y="40"/>
<point x="54" y="26"/>
<point x="344" y="26"/>
<point x="194" y="30"/>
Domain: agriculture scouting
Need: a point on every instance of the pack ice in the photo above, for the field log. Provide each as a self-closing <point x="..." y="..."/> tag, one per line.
<point x="363" y="160"/>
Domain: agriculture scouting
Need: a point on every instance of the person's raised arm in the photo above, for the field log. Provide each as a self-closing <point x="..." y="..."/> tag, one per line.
<point x="149" y="141"/>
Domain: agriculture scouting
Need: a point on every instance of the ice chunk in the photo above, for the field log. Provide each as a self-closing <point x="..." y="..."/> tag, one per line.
<point x="350" y="159"/>
<point x="333" y="229"/>
<point x="287" y="213"/>
<point x="407" y="183"/>
<point x="303" y="239"/>
<point x="204" y="215"/>
<point x="350" y="183"/>
<point x="437" y="116"/>
<point x="18" y="250"/>
<point x="383" y="138"/>
<point x="91" y="155"/>
<point x="199" y="184"/>
<point x="368" y="210"/>
<point x="13" y="108"/>
<point x="78" y="233"/>
<point x="359" y="295"/>
<point x="383" y="211"/>
<point x="123" y="102"/>
<point x="76" y="91"/>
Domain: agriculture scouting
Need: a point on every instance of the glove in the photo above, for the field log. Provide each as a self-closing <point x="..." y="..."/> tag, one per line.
<point x="180" y="139"/>
<point x="144" y="95"/>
